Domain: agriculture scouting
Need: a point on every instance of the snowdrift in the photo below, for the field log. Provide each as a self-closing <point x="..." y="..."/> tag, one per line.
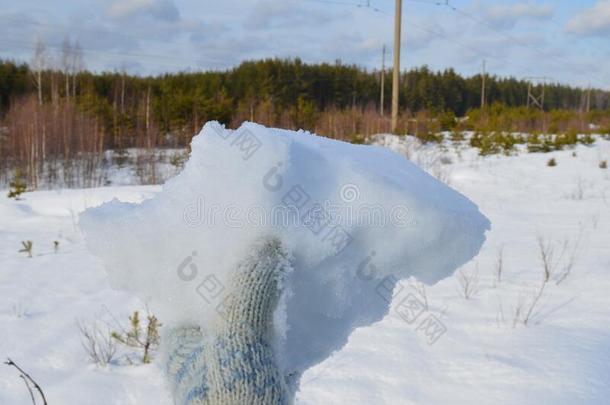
<point x="354" y="218"/>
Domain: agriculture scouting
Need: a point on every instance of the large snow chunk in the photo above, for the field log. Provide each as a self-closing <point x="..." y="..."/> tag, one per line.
<point x="355" y="219"/>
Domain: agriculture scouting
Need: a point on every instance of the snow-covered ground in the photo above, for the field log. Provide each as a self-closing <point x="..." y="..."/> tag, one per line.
<point x="133" y="166"/>
<point x="458" y="350"/>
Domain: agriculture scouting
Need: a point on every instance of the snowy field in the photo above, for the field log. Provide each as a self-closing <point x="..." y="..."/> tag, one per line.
<point x="514" y="340"/>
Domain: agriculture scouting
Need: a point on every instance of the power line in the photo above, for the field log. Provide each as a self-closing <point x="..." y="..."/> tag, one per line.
<point x="172" y="58"/>
<point x="493" y="28"/>
<point x="340" y="3"/>
<point x="512" y="38"/>
<point x="459" y="43"/>
<point x="79" y="30"/>
<point x="358" y="4"/>
<point x="168" y="58"/>
<point x="412" y="23"/>
<point x="365" y="5"/>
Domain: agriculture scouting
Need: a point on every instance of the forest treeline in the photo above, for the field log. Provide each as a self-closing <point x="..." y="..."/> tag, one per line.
<point x="56" y="114"/>
<point x="282" y="92"/>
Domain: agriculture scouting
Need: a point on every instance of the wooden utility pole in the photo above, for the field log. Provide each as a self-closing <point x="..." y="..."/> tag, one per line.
<point x="66" y="50"/>
<point x="396" y="71"/>
<point x="381" y="97"/>
<point x="535" y="94"/>
<point x="483" y="86"/>
<point x="147" y="111"/>
<point x="122" y="92"/>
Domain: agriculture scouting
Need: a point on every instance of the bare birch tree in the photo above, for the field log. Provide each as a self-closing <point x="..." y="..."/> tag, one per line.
<point x="38" y="65"/>
<point x="66" y="63"/>
<point x="77" y="64"/>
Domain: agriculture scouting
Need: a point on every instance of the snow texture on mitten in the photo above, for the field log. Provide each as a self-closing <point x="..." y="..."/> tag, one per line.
<point x="232" y="363"/>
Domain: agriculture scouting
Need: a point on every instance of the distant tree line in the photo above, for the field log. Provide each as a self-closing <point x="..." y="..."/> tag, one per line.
<point x="54" y="112"/>
<point x="278" y="90"/>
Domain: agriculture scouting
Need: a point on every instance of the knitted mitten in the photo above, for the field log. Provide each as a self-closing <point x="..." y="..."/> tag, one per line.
<point x="233" y="362"/>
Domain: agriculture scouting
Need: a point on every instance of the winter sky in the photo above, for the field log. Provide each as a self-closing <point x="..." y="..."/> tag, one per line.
<point x="565" y="40"/>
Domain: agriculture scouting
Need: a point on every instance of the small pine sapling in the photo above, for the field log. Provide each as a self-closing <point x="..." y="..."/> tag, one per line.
<point x="147" y="340"/>
<point x="178" y="159"/>
<point x="603" y="164"/>
<point x="17" y="187"/>
<point x="587" y="139"/>
<point x="27" y="247"/>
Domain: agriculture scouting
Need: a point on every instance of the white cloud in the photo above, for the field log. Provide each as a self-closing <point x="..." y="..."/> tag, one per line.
<point x="154" y="36"/>
<point x="592" y="21"/>
<point x="284" y="14"/>
<point x="508" y="15"/>
<point x="159" y="9"/>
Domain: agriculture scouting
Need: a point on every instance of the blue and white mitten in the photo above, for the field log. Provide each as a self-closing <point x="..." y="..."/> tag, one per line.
<point x="233" y="362"/>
